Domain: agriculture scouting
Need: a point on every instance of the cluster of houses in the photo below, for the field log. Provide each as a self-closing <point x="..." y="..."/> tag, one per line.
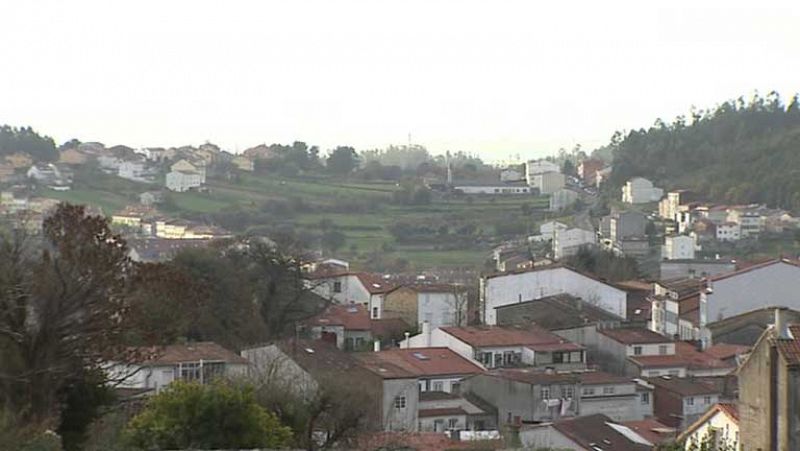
<point x="548" y="357"/>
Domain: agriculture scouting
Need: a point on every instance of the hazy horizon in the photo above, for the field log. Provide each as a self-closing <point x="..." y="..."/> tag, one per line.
<point x="493" y="79"/>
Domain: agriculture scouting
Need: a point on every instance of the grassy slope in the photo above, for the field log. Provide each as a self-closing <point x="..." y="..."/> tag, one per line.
<point x="367" y="231"/>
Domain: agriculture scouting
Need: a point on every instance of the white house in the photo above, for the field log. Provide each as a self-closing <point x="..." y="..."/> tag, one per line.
<point x="184" y="165"/>
<point x="748" y="219"/>
<point x="562" y="199"/>
<point x="181" y="181"/>
<point x="534" y="167"/>
<point x="504" y="346"/>
<point x="131" y="170"/>
<point x="548" y="229"/>
<point x="510" y="288"/>
<point x="437" y="304"/>
<point x="547" y="182"/>
<point x="716" y="429"/>
<point x="772" y="283"/>
<point x="639" y="190"/>
<point x="568" y="242"/>
<point x="728" y="231"/>
<point x="353" y="288"/>
<point x="155" y="368"/>
<point x="680" y="247"/>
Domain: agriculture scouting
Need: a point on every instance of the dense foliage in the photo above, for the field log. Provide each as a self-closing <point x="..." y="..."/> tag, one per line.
<point x="190" y="415"/>
<point x="26" y="140"/>
<point x="604" y="264"/>
<point x="740" y="152"/>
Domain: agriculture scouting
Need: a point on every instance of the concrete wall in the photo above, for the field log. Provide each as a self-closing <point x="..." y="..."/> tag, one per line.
<point x="777" y="284"/>
<point x="512" y="288"/>
<point x="404" y="419"/>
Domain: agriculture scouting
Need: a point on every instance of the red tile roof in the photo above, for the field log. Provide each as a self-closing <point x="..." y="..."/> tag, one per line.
<point x="416" y="362"/>
<point x="789" y="348"/>
<point x="351" y="317"/>
<point x="683" y="386"/>
<point x="388" y="327"/>
<point x="531" y="336"/>
<point x="634" y="335"/>
<point x="535" y="377"/>
<point x="724" y="351"/>
<point x="652" y="430"/>
<point x="686" y="355"/>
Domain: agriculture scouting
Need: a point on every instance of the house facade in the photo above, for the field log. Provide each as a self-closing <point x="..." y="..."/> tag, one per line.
<point x="639" y="190"/>
<point x="155" y="368"/>
<point x="679" y="247"/>
<point x="718" y="428"/>
<point x="568" y="242"/>
<point x="437" y="304"/>
<point x="353" y="288"/>
<point x="505" y="347"/>
<point x="182" y="181"/>
<point x="679" y="402"/>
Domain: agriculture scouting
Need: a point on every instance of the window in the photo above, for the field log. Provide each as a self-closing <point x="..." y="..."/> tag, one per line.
<point x="399" y="402"/>
<point x="567" y="391"/>
<point x="637" y="350"/>
<point x="690" y="401"/>
<point x="707" y="400"/>
<point x="588" y="391"/>
<point x="662" y="349"/>
<point x="645" y="398"/>
<point x="337" y="287"/>
<point x="498" y="359"/>
<point x="674" y="372"/>
<point x="455" y="387"/>
<point x="576" y="357"/>
<point x="486" y="359"/>
<point x="608" y="390"/>
<point x="374" y="312"/>
<point x="190" y="371"/>
<point x="438" y="386"/>
<point x="545" y="393"/>
<point x="452" y="423"/>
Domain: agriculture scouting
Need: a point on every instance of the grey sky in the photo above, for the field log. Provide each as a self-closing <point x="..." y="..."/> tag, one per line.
<point x="498" y="78"/>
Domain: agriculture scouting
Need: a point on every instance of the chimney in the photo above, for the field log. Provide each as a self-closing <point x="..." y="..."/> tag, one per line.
<point x="408" y="340"/>
<point x="781" y="331"/>
<point x="376" y="346"/>
<point x="426" y="334"/>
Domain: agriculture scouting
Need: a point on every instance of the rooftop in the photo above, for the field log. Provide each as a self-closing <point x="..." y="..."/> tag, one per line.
<point x="725" y="351"/>
<point x="416" y="362"/>
<point x="531" y="336"/>
<point x="634" y="336"/>
<point x="535" y="377"/>
<point x="683" y="286"/>
<point x="600" y="433"/>
<point x="789" y="348"/>
<point x="729" y="409"/>
<point x="652" y="430"/>
<point x="563" y="311"/>
<point x="750" y="268"/>
<point x="683" y="386"/>
<point x="351" y="317"/>
<point x="190" y="352"/>
<point x="686" y="355"/>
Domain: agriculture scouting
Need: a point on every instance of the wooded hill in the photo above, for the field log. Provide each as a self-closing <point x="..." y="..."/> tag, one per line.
<point x="739" y="152"/>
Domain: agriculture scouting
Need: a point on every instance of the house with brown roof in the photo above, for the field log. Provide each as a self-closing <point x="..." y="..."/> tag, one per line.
<point x="680" y="401"/>
<point x="616" y="346"/>
<point x="440" y="412"/>
<point x="586" y="433"/>
<point x="687" y="361"/>
<point x="349" y="327"/>
<point x="353" y="288"/>
<point x="439" y="304"/>
<point x="769" y="389"/>
<point x="155" y="368"/>
<point x="675" y="308"/>
<point x="718" y="428"/>
<point x="505" y="346"/>
<point x="652" y="430"/>
<point x="406" y="373"/>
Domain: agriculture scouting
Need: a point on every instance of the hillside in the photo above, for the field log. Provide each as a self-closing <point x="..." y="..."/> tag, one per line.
<point x="739" y="152"/>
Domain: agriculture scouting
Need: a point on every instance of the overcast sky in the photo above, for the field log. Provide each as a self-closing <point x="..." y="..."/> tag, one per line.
<point x="495" y="77"/>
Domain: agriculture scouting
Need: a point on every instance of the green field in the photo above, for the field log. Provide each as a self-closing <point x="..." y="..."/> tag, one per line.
<point x="326" y="201"/>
